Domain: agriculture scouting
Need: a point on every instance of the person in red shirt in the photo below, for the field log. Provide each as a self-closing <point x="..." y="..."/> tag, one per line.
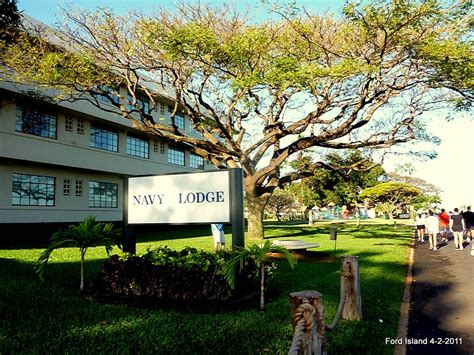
<point x="443" y="218"/>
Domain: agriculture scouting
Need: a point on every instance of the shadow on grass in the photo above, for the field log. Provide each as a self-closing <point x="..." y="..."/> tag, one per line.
<point x="51" y="316"/>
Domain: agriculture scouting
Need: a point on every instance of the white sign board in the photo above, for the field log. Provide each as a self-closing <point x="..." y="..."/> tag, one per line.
<point x="180" y="198"/>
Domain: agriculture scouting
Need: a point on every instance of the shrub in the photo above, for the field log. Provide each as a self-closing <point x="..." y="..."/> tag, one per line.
<point x="164" y="274"/>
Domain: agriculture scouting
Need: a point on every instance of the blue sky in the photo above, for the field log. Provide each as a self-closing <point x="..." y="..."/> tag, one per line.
<point x="452" y="170"/>
<point x="46" y="10"/>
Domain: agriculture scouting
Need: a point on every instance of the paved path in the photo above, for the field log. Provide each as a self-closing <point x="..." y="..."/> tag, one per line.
<point x="442" y="300"/>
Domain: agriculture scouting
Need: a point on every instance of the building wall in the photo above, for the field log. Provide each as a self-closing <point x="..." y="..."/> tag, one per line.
<point x="71" y="157"/>
<point x="67" y="208"/>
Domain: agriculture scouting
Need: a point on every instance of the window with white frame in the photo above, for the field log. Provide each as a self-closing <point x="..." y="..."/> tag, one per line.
<point x="79" y="185"/>
<point x="66" y="187"/>
<point x="80" y="126"/>
<point x="68" y="124"/>
<point x="175" y="156"/>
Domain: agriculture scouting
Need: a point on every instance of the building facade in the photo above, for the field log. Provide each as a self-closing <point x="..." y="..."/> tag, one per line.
<point x="63" y="162"/>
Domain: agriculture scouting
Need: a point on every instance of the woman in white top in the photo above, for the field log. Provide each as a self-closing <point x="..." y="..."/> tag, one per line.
<point x="420" y="221"/>
<point x="432" y="228"/>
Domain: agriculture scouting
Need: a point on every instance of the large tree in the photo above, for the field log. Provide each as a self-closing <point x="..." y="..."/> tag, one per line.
<point x="10" y="20"/>
<point x="282" y="201"/>
<point x="430" y="193"/>
<point x="344" y="178"/>
<point x="260" y="93"/>
<point x="391" y="196"/>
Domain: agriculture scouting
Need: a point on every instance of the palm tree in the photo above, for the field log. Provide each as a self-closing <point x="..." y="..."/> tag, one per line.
<point x="259" y="254"/>
<point x="86" y="234"/>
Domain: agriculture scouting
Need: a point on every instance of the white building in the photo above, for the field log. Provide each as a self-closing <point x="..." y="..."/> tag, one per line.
<point x="64" y="162"/>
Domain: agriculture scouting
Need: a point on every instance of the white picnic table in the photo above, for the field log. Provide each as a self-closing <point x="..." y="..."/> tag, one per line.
<point x="298" y="247"/>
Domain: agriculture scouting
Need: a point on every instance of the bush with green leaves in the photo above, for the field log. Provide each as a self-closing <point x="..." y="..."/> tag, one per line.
<point x="258" y="255"/>
<point x="164" y="274"/>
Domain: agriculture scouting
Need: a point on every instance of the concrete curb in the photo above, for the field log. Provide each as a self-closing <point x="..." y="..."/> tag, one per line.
<point x="400" y="349"/>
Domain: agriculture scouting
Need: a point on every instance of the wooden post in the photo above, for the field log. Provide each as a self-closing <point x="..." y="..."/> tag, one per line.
<point x="307" y="315"/>
<point x="350" y="288"/>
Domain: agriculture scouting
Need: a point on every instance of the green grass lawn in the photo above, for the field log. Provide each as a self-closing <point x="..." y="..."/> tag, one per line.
<point x="51" y="317"/>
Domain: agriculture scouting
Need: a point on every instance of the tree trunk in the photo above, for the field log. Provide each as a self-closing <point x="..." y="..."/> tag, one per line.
<point x="255" y="207"/>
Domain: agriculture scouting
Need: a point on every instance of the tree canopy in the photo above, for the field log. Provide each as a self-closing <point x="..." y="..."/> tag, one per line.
<point x="261" y="93"/>
<point x="346" y="176"/>
<point x="282" y="200"/>
<point x="10" y="21"/>
<point x="390" y="196"/>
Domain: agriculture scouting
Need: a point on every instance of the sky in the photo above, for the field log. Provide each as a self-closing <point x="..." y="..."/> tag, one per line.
<point x="452" y="170"/>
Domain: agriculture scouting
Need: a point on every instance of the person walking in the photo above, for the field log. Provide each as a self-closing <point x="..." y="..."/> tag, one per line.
<point x="444" y="225"/>
<point x="456" y="225"/>
<point x="219" y="236"/>
<point x="468" y="217"/>
<point x="420" y="221"/>
<point x="432" y="229"/>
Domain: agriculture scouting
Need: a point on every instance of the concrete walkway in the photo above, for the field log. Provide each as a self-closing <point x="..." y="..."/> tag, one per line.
<point x="442" y="300"/>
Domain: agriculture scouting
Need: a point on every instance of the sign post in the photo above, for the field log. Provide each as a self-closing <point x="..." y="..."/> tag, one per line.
<point x="237" y="207"/>
<point x="130" y="240"/>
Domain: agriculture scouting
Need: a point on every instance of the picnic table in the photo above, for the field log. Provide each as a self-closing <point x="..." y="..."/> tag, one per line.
<point x="298" y="247"/>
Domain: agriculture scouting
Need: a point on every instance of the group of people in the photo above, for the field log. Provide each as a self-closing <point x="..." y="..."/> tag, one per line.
<point x="443" y="223"/>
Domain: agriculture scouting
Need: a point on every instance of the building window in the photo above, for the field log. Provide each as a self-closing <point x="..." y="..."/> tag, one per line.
<point x="178" y="119"/>
<point x="68" y="124"/>
<point x="196" y="162"/>
<point x="78" y="187"/>
<point x="66" y="187"/>
<point x="155" y="146"/>
<point x="137" y="147"/>
<point x="175" y="156"/>
<point x="106" y="94"/>
<point x="162" y="147"/>
<point x="80" y="126"/>
<point x="195" y="132"/>
<point x="33" y="190"/>
<point x="162" y="110"/>
<point x="104" y="139"/>
<point x="142" y="102"/>
<point x="102" y="194"/>
<point x="35" y="122"/>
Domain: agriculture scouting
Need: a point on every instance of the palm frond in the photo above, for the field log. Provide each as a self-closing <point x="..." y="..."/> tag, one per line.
<point x="45" y="255"/>
<point x="290" y="257"/>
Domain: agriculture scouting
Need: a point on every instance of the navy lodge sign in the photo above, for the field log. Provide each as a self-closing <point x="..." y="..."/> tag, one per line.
<point x="179" y="198"/>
